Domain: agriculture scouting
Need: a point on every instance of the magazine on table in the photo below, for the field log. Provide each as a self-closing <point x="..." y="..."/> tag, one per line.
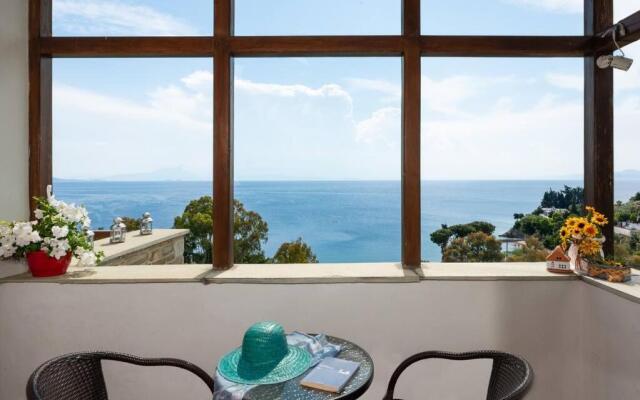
<point x="331" y="375"/>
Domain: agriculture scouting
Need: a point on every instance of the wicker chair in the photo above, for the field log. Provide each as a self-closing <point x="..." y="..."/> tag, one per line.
<point x="78" y="376"/>
<point x="511" y="375"/>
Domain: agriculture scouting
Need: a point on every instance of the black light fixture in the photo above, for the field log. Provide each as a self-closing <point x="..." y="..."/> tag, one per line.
<point x="615" y="61"/>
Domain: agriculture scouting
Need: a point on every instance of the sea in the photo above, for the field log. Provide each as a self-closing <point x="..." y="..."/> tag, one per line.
<point x="342" y="221"/>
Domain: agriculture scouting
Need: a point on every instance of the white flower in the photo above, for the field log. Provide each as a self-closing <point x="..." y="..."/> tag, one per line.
<point x="60" y="231"/>
<point x="35" y="237"/>
<point x="59" y="248"/>
<point x="24" y="234"/>
<point x="86" y="258"/>
<point x="38" y="213"/>
<point x="51" y="199"/>
<point x="7" y="250"/>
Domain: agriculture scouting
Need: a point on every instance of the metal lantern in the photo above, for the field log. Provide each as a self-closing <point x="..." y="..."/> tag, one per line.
<point x="118" y="231"/>
<point x="90" y="236"/>
<point x="146" y="224"/>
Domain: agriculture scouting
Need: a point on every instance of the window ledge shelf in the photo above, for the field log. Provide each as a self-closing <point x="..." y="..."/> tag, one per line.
<point x="300" y="273"/>
<point x="319" y="274"/>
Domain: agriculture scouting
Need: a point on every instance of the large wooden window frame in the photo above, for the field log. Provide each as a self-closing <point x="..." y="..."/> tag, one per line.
<point x="223" y="46"/>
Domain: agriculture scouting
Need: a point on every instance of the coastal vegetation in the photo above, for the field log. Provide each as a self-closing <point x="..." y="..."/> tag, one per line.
<point x="628" y="211"/>
<point x="536" y="231"/>
<point x="627" y="244"/>
<point x="251" y="232"/>
<point x="471" y="242"/>
<point x="474" y="247"/>
<point x="569" y="198"/>
<point x="295" y="252"/>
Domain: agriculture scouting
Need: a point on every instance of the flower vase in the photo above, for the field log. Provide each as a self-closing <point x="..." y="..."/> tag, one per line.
<point x="578" y="264"/>
<point x="42" y="265"/>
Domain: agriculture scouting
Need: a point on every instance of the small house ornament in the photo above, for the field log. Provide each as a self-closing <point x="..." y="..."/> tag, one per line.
<point x="118" y="231"/>
<point x="146" y="224"/>
<point x="559" y="262"/>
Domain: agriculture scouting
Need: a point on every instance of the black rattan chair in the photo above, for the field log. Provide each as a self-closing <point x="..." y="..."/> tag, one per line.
<point x="78" y="376"/>
<point x="511" y="375"/>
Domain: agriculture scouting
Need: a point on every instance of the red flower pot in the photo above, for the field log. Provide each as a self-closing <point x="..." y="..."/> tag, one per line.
<point x="41" y="264"/>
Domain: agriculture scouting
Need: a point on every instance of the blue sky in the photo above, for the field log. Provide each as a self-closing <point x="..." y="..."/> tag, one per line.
<point x="328" y="118"/>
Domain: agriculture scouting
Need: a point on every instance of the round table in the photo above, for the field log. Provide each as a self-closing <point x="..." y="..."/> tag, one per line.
<point x="292" y="390"/>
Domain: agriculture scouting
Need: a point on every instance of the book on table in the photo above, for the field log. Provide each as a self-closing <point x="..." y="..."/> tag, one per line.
<point x="331" y="375"/>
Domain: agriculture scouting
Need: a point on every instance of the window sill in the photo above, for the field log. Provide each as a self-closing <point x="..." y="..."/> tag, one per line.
<point x="318" y="274"/>
<point x="301" y="273"/>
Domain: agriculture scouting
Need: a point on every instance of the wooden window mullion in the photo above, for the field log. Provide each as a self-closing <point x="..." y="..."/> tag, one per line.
<point x="598" y="122"/>
<point x="40" y="87"/>
<point x="223" y="137"/>
<point x="411" y="226"/>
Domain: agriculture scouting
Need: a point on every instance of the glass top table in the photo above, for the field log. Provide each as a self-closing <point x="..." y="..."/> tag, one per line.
<point x="292" y="390"/>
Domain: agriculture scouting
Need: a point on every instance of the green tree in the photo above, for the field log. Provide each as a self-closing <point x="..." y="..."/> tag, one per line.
<point x="532" y="251"/>
<point x="568" y="197"/>
<point x="475" y="247"/>
<point x="250" y="232"/>
<point x="132" y="224"/>
<point x="198" y="218"/>
<point x="635" y="197"/>
<point x="296" y="252"/>
<point x="441" y="237"/>
<point x="446" y="233"/>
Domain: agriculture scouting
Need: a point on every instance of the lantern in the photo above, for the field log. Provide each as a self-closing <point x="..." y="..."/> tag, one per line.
<point x="118" y="231"/>
<point x="146" y="224"/>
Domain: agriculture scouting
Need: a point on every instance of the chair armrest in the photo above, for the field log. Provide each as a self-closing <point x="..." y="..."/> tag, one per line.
<point x="157" y="362"/>
<point x="434" y="354"/>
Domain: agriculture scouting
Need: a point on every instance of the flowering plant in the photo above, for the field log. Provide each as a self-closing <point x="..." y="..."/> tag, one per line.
<point x="585" y="233"/>
<point x="59" y="229"/>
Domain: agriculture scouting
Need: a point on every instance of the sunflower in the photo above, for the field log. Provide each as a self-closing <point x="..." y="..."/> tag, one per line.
<point x="589" y="247"/>
<point x="590" y="209"/>
<point x="581" y="224"/>
<point x="564" y="233"/>
<point x="571" y="222"/>
<point x="590" y="230"/>
<point x="577" y="231"/>
<point x="599" y="219"/>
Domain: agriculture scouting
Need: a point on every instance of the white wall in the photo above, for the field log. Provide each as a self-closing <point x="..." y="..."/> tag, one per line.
<point x="14" y="153"/>
<point x="392" y="321"/>
<point x="611" y="346"/>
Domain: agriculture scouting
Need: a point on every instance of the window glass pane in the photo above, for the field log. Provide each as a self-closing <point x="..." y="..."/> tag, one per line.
<point x="132" y="135"/>
<point x="624" y="8"/>
<point x="496" y="135"/>
<point x="317" y="154"/>
<point x="626" y="162"/>
<point x="502" y="17"/>
<point x="317" y="17"/>
<point x="132" y="17"/>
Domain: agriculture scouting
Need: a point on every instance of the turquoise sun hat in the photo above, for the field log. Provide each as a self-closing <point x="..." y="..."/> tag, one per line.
<point x="265" y="357"/>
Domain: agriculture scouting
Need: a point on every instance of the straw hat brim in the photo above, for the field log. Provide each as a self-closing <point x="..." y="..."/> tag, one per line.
<point x="296" y="362"/>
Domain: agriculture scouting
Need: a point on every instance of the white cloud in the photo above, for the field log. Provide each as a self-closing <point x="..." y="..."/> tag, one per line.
<point x="472" y="129"/>
<point x="329" y="90"/>
<point x="447" y="95"/>
<point x="98" y="135"/>
<point x="94" y="17"/>
<point x="391" y="90"/>
<point x="380" y="126"/>
<point x="541" y="141"/>
<point x="565" y="81"/>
